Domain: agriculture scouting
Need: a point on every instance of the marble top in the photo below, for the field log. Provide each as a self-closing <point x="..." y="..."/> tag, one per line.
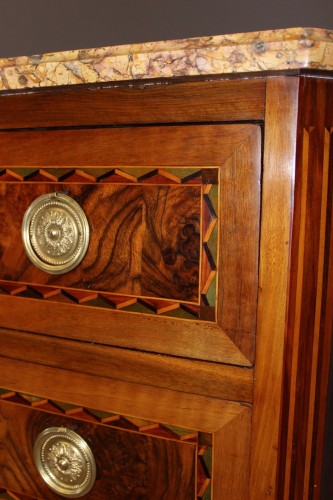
<point x="285" y="49"/>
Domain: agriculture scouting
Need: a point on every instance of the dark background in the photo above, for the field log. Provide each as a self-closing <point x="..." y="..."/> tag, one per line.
<point x="36" y="26"/>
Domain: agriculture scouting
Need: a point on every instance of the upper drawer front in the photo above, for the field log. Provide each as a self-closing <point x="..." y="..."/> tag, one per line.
<point x="174" y="217"/>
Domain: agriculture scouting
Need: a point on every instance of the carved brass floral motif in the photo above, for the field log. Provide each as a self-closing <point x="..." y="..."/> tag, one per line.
<point x="55" y="233"/>
<point x="65" y="462"/>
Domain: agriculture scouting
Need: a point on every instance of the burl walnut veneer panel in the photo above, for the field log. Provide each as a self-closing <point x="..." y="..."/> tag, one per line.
<point x="144" y="240"/>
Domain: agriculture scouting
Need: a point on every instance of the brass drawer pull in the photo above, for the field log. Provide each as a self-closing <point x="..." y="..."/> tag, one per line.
<point x="55" y="233"/>
<point x="65" y="462"/>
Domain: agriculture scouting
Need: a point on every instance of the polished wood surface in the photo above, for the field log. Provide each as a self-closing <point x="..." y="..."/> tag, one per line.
<point x="129" y="464"/>
<point x="150" y="146"/>
<point x="241" y="353"/>
<point x="138" y="103"/>
<point x="240" y="195"/>
<point x="201" y="413"/>
<point x="145" y="242"/>
<point x="183" y="409"/>
<point x="185" y="338"/>
<point x="196" y="377"/>
<point x="144" y="239"/>
<point x="237" y="436"/>
<point x="310" y="313"/>
<point x="279" y="165"/>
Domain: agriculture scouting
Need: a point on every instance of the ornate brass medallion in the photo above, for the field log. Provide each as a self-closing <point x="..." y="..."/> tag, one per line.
<point x="55" y="233"/>
<point x="65" y="462"/>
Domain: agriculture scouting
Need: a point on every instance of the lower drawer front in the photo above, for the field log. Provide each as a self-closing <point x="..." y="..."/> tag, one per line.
<point x="129" y="465"/>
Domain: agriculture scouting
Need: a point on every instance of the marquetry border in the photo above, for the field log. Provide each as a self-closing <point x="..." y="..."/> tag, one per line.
<point x="227" y="422"/>
<point x="234" y="151"/>
<point x="310" y="316"/>
<point x="125" y="423"/>
<point x="206" y="177"/>
<point x="123" y="175"/>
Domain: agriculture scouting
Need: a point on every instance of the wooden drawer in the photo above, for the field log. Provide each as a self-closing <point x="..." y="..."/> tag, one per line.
<point x="180" y="367"/>
<point x="184" y="446"/>
<point x="131" y="461"/>
<point x="174" y="217"/>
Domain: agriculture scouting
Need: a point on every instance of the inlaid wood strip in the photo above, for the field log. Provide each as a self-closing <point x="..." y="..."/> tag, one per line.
<point x="233" y="153"/>
<point x="186" y="248"/>
<point x="321" y="467"/>
<point x="311" y="428"/>
<point x="116" y="421"/>
<point x="277" y="207"/>
<point x="194" y="339"/>
<point x="139" y="175"/>
<point x="106" y="300"/>
<point x="239" y="207"/>
<point x="299" y="275"/>
<point x="310" y="315"/>
<point x="144" y="460"/>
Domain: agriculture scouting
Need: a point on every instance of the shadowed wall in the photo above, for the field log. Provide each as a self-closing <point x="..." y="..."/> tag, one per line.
<point x="37" y="26"/>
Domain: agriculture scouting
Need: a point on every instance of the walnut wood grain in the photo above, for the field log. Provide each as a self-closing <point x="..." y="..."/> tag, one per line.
<point x="231" y="340"/>
<point x="226" y="482"/>
<point x="129" y="465"/>
<point x="203" y="413"/>
<point x="210" y="379"/>
<point x="208" y="145"/>
<point x="207" y="415"/>
<point x="165" y="335"/>
<point x="310" y="313"/>
<point x="134" y="363"/>
<point x="133" y="232"/>
<point x="240" y="198"/>
<point x="279" y="165"/>
<point x="135" y="104"/>
<point x="323" y="445"/>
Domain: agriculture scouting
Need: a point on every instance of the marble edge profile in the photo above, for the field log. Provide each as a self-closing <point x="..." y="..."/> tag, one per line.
<point x="292" y="48"/>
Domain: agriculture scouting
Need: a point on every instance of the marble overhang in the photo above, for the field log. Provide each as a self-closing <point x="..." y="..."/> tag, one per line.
<point x="275" y="50"/>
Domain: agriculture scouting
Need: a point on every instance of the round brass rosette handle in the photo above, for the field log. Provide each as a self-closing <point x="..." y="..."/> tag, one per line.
<point x="65" y="462"/>
<point x="55" y="233"/>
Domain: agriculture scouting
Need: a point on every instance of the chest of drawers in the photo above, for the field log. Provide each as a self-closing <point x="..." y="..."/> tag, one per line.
<point x="189" y="344"/>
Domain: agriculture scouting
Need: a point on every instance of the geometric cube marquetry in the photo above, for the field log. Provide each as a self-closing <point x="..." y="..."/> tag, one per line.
<point x="176" y="246"/>
<point x="135" y="458"/>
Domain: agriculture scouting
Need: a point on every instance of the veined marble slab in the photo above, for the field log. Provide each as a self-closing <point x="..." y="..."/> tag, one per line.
<point x="273" y="50"/>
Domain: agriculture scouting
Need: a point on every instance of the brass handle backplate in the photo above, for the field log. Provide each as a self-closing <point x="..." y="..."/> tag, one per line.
<point x="55" y="233"/>
<point x="65" y="462"/>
